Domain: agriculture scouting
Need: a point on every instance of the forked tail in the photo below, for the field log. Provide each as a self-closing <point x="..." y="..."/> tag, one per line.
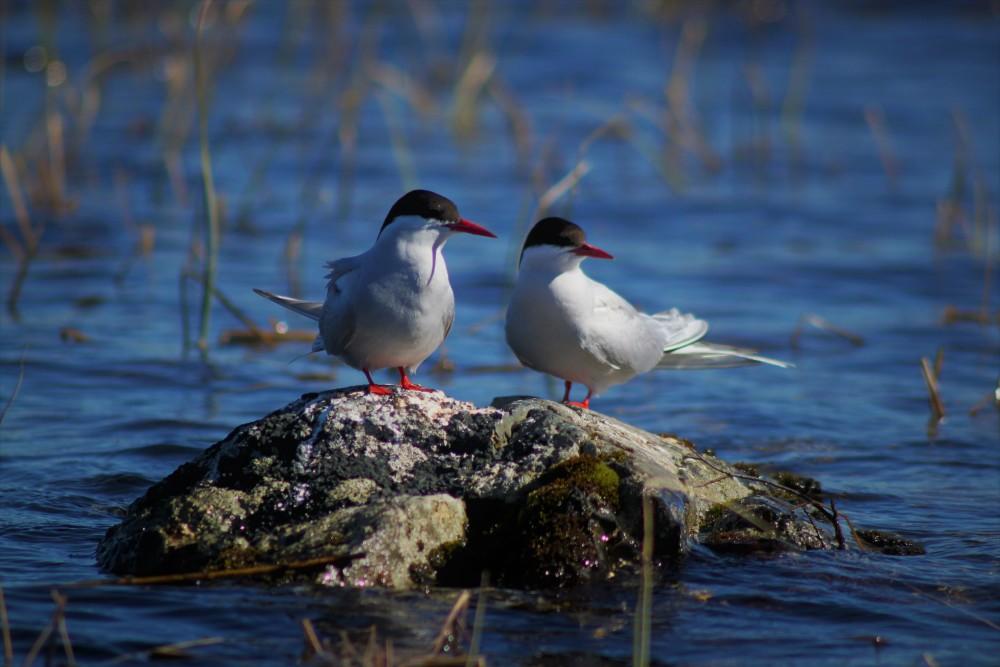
<point x="703" y="355"/>
<point x="310" y="309"/>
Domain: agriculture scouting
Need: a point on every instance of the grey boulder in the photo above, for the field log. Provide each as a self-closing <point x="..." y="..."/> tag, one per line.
<point x="418" y="488"/>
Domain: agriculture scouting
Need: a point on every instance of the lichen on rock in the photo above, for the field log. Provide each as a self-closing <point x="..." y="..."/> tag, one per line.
<point x="417" y="488"/>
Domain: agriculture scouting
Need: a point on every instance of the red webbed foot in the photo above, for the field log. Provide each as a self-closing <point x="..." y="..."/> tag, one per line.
<point x="405" y="383"/>
<point x="376" y="389"/>
<point x="585" y="403"/>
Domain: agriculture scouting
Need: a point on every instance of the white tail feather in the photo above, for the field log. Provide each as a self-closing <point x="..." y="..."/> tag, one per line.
<point x="310" y="309"/>
<point x="712" y="355"/>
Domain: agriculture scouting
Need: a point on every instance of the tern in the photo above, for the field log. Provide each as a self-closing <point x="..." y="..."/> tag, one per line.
<point x="563" y="323"/>
<point x="391" y="306"/>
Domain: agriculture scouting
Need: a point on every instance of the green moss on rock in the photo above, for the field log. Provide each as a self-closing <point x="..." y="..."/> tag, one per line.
<point x="807" y="486"/>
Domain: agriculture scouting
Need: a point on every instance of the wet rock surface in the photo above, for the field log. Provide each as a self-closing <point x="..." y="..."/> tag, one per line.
<point x="418" y="488"/>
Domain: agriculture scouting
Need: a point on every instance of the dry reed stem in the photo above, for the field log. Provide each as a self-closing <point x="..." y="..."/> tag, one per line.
<point x="838" y="532"/>
<point x="798" y="85"/>
<point x="932" y="388"/>
<point x="478" y="621"/>
<point x="938" y="362"/>
<point x="467" y="92"/>
<point x="60" y="623"/>
<point x="992" y="398"/>
<point x="824" y="325"/>
<point x="312" y="639"/>
<point x="57" y="622"/>
<point x="681" y="122"/>
<point x="25" y="250"/>
<point x="518" y="121"/>
<point x="211" y="205"/>
<point x="401" y="153"/>
<point x="397" y="81"/>
<point x="211" y="575"/>
<point x="16" y="199"/>
<point x="57" y="160"/>
<point x="876" y="123"/>
<point x="962" y="610"/>
<point x="3" y="49"/>
<point x="8" y="646"/>
<point x="760" y="95"/>
<point x="560" y="188"/>
<point x="642" y="625"/>
<point x="229" y="305"/>
<point x="449" y="627"/>
<point x="13" y="395"/>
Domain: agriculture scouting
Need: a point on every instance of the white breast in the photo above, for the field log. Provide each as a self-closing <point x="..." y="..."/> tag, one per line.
<point x="576" y="329"/>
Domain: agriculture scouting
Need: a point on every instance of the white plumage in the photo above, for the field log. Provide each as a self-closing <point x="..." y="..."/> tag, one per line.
<point x="391" y="306"/>
<point x="563" y="323"/>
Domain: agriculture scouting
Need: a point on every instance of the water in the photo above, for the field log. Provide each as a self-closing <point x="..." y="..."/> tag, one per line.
<point x="774" y="234"/>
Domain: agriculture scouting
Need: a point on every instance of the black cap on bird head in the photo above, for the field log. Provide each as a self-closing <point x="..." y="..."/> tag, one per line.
<point x="424" y="204"/>
<point x="562" y="233"/>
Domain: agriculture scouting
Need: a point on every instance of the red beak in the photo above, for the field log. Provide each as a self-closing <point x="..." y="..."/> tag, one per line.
<point x="587" y="250"/>
<point x="470" y="227"/>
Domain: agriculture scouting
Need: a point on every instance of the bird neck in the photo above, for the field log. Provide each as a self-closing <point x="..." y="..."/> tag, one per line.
<point x="546" y="262"/>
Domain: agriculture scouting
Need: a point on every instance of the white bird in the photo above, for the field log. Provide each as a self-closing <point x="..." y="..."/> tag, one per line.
<point x="561" y="322"/>
<point x="391" y="306"/>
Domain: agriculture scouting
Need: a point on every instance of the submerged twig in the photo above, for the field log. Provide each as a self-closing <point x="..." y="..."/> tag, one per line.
<point x="820" y="507"/>
<point x="209" y="575"/>
<point x="838" y="532"/>
<point x="169" y="651"/>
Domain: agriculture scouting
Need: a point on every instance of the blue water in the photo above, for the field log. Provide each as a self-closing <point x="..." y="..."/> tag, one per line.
<point x="780" y="230"/>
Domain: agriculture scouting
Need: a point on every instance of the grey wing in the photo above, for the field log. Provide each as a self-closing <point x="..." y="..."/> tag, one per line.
<point x="338" y="325"/>
<point x="612" y="315"/>
<point x="339" y="268"/>
<point x="449" y="319"/>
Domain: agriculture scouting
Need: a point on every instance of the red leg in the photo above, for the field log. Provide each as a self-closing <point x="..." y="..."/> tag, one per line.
<point x="376" y="389"/>
<point x="566" y="395"/>
<point x="405" y="383"/>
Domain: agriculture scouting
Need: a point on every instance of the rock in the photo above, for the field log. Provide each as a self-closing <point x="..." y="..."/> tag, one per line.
<point x="418" y="488"/>
<point x="889" y="543"/>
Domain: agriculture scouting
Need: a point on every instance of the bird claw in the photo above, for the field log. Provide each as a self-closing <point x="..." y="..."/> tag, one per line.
<point x="578" y="404"/>
<point x="379" y="390"/>
<point x="406" y="384"/>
